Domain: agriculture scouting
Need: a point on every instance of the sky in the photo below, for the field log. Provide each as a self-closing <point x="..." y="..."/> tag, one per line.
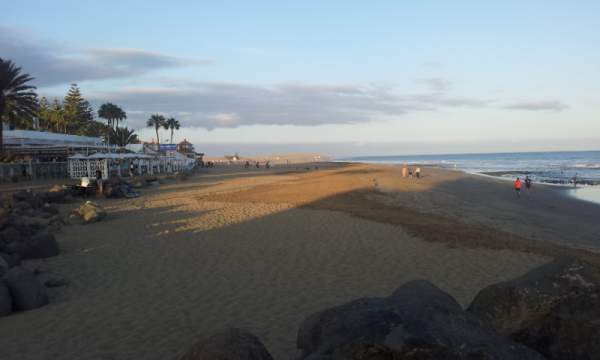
<point x="340" y="77"/>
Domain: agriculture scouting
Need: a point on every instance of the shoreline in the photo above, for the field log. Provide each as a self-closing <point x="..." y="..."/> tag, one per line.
<point x="590" y="196"/>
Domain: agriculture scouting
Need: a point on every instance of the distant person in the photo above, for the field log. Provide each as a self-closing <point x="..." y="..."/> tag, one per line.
<point x="518" y="186"/>
<point x="528" y="183"/>
<point x="99" y="181"/>
<point x="410" y="173"/>
<point x="404" y="171"/>
<point x="247" y="164"/>
<point x="131" y="169"/>
<point x="418" y="172"/>
<point x="267" y="165"/>
<point x="575" y="180"/>
<point x="257" y="165"/>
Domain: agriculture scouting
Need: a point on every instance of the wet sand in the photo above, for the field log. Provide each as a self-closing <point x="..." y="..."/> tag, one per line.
<point x="263" y="249"/>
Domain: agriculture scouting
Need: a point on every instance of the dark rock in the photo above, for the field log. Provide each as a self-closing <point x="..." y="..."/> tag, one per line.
<point x="26" y="291"/>
<point x="50" y="209"/>
<point x="11" y="259"/>
<point x="554" y="309"/>
<point x="40" y="245"/>
<point x="4" y="266"/>
<point x="229" y="344"/>
<point x="91" y="212"/>
<point x="11" y="241"/>
<point x="56" y="195"/>
<point x="28" y="225"/>
<point x="29" y="197"/>
<point x="21" y="206"/>
<point x="418" y="318"/>
<point x="53" y="280"/>
<point x="9" y="235"/>
<point x="367" y="351"/>
<point x="5" y="300"/>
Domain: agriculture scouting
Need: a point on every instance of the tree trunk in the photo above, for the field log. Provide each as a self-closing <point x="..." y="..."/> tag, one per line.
<point x="171" y="135"/>
<point x="157" y="140"/>
<point x="1" y="127"/>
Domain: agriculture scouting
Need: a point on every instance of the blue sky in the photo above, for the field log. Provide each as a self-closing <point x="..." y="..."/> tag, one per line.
<point x="385" y="76"/>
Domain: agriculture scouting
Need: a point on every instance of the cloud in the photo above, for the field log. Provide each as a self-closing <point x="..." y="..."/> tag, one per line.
<point x="212" y="105"/>
<point x="550" y="105"/>
<point x="435" y="84"/>
<point x="52" y="64"/>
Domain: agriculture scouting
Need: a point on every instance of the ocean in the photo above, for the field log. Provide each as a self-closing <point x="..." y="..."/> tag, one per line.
<point x="546" y="167"/>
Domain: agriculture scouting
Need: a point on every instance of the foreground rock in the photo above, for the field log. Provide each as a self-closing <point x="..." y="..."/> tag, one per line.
<point x="554" y="309"/>
<point x="25" y="290"/>
<point x="418" y="321"/>
<point x="5" y="300"/>
<point x="91" y="212"/>
<point x="230" y="344"/>
<point x="40" y="245"/>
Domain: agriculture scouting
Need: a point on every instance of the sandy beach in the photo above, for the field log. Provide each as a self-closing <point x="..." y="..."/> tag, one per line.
<point x="264" y="248"/>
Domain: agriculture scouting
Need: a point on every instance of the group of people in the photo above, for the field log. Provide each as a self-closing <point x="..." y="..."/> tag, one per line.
<point x="257" y="164"/>
<point x="519" y="184"/>
<point x="406" y="171"/>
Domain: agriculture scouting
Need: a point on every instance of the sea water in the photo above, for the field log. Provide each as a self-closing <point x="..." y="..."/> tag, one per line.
<point x="560" y="168"/>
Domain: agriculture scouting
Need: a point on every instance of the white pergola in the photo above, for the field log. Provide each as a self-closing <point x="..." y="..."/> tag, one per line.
<point x="119" y="164"/>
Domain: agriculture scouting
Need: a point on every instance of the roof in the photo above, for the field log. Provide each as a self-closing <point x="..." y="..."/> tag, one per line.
<point x="185" y="142"/>
<point x="111" y="156"/>
<point x="31" y="138"/>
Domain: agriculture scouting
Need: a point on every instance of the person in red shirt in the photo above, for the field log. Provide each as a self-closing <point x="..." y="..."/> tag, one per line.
<point x="518" y="186"/>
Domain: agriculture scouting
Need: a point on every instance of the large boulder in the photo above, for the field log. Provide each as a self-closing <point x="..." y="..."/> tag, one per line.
<point x="28" y="225"/>
<point x="26" y="291"/>
<point x="554" y="309"/>
<point x="40" y="245"/>
<point x="229" y="344"/>
<point x="11" y="241"/>
<point x="11" y="259"/>
<point x="418" y="318"/>
<point x="56" y="194"/>
<point x="28" y="196"/>
<point x="4" y="266"/>
<point x="5" y="300"/>
<point x="91" y="212"/>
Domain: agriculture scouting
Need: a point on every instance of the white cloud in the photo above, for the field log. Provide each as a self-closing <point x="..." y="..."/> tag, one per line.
<point x="52" y="64"/>
<point x="550" y="105"/>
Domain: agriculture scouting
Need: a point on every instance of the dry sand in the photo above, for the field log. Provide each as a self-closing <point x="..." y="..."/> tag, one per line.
<point x="263" y="249"/>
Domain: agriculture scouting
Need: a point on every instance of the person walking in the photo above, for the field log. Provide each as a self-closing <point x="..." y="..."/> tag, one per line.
<point x="99" y="184"/>
<point x="418" y="172"/>
<point x="518" y="186"/>
<point x="404" y="171"/>
<point x="528" y="183"/>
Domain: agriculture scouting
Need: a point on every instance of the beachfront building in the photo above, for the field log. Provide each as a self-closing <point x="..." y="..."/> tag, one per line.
<point x="185" y="147"/>
<point x="40" y="145"/>
<point x="126" y="164"/>
<point x="43" y="155"/>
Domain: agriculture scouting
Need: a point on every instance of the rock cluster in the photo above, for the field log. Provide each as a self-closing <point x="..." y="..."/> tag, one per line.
<point x="27" y="223"/>
<point x="552" y="312"/>
<point x="554" y="309"/>
<point x="228" y="344"/>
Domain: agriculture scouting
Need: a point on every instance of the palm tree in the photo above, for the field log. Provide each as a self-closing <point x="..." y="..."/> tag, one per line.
<point x="108" y="111"/>
<point x="113" y="114"/>
<point x="171" y="124"/>
<point x="156" y="121"/>
<point x="123" y="136"/>
<point x="17" y="98"/>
